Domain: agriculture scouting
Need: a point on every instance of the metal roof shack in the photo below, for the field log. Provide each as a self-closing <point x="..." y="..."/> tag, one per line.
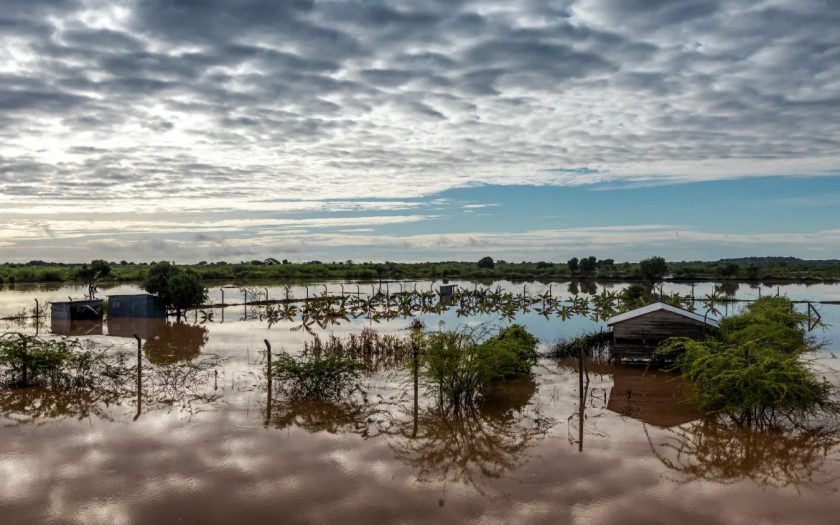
<point x="447" y="290"/>
<point x="139" y="305"/>
<point x="84" y="310"/>
<point x="637" y="333"/>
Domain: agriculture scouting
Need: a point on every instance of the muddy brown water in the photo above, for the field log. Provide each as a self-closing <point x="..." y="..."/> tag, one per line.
<point x="213" y="445"/>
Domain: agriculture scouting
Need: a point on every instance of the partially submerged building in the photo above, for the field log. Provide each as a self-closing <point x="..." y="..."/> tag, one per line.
<point x="84" y="310"/>
<point x="447" y="290"/>
<point x="138" y="305"/>
<point x="637" y="333"/>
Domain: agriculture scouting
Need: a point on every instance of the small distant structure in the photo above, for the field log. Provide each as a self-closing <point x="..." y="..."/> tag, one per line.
<point x="447" y="290"/>
<point x="84" y="310"/>
<point x="139" y="305"/>
<point x="637" y="333"/>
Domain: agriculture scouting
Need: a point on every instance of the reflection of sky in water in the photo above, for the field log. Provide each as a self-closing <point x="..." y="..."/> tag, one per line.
<point x="547" y="330"/>
<point x="220" y="462"/>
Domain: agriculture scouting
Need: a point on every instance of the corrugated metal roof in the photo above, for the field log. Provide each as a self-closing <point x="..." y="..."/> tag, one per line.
<point x="655" y="307"/>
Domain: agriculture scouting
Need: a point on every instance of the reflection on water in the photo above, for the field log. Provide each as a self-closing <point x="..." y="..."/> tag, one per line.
<point x="726" y="454"/>
<point x="75" y="327"/>
<point x="475" y="444"/>
<point x="165" y="342"/>
<point x="36" y="405"/>
<point x="199" y="439"/>
<point x="176" y="342"/>
<point x="133" y="384"/>
<point x="471" y="445"/>
<point x="321" y="416"/>
<point x="650" y="396"/>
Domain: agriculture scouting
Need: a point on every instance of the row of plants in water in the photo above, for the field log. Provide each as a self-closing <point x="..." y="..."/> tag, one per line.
<point x="753" y="371"/>
<point x="327" y="309"/>
<point x="457" y="366"/>
<point x="753" y="374"/>
<point x="66" y="377"/>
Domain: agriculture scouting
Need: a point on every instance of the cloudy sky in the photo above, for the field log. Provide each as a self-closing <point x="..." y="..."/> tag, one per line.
<point x="404" y="130"/>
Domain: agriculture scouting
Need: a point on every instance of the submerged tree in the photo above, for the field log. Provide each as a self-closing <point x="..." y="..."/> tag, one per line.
<point x="753" y="372"/>
<point x="178" y="288"/>
<point x="460" y="366"/>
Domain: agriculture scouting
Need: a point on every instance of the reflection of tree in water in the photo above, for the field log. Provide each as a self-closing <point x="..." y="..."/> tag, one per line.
<point x="175" y="342"/>
<point x="726" y="454"/>
<point x="468" y="445"/>
<point x="181" y="386"/>
<point x="322" y="416"/>
<point x="36" y="405"/>
<point x="471" y="445"/>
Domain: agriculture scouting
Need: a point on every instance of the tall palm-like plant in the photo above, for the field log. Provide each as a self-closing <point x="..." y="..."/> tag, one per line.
<point x="710" y="302"/>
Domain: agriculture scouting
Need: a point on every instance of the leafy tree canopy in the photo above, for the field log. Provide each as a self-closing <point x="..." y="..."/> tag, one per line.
<point x="486" y="262"/>
<point x="178" y="288"/>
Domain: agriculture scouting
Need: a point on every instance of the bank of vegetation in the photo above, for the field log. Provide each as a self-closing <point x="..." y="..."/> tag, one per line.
<point x="458" y="367"/>
<point x="755" y="372"/>
<point x="766" y="269"/>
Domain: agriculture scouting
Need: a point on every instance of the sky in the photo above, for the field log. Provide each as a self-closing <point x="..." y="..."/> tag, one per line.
<point x="400" y="130"/>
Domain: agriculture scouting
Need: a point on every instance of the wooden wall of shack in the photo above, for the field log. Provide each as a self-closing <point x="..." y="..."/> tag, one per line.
<point x="636" y="339"/>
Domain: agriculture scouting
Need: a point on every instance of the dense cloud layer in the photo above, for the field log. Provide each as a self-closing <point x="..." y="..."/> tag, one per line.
<point x="165" y="101"/>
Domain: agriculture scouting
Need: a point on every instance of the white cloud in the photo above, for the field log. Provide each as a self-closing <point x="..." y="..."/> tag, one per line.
<point x="282" y="106"/>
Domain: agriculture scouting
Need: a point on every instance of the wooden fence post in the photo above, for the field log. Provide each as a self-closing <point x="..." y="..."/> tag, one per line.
<point x="139" y="377"/>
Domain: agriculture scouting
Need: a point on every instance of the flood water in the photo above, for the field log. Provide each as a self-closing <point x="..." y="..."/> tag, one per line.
<point x="207" y="442"/>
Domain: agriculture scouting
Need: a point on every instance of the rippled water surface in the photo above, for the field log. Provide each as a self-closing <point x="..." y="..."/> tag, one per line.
<point x="207" y="442"/>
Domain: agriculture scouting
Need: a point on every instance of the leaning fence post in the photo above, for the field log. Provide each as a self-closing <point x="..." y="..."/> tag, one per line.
<point x="268" y="357"/>
<point x="23" y="367"/>
<point x="268" y="375"/>
<point x="580" y="372"/>
<point x="139" y="376"/>
<point x="37" y="316"/>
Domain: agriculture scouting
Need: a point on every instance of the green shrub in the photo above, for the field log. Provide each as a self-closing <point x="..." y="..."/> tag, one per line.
<point x="515" y="351"/>
<point x="316" y="376"/>
<point x="177" y="287"/>
<point x="753" y="373"/>
<point x="51" y="276"/>
<point x="768" y="322"/>
<point x="66" y="364"/>
<point x="460" y="367"/>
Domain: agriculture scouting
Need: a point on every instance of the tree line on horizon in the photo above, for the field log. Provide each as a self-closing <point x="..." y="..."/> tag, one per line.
<point x="486" y="268"/>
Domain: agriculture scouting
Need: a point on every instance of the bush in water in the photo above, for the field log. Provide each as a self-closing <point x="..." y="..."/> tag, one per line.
<point x="459" y="366"/>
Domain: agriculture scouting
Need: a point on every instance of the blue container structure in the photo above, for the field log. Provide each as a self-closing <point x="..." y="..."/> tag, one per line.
<point x="85" y="310"/>
<point x="142" y="305"/>
<point x="447" y="290"/>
